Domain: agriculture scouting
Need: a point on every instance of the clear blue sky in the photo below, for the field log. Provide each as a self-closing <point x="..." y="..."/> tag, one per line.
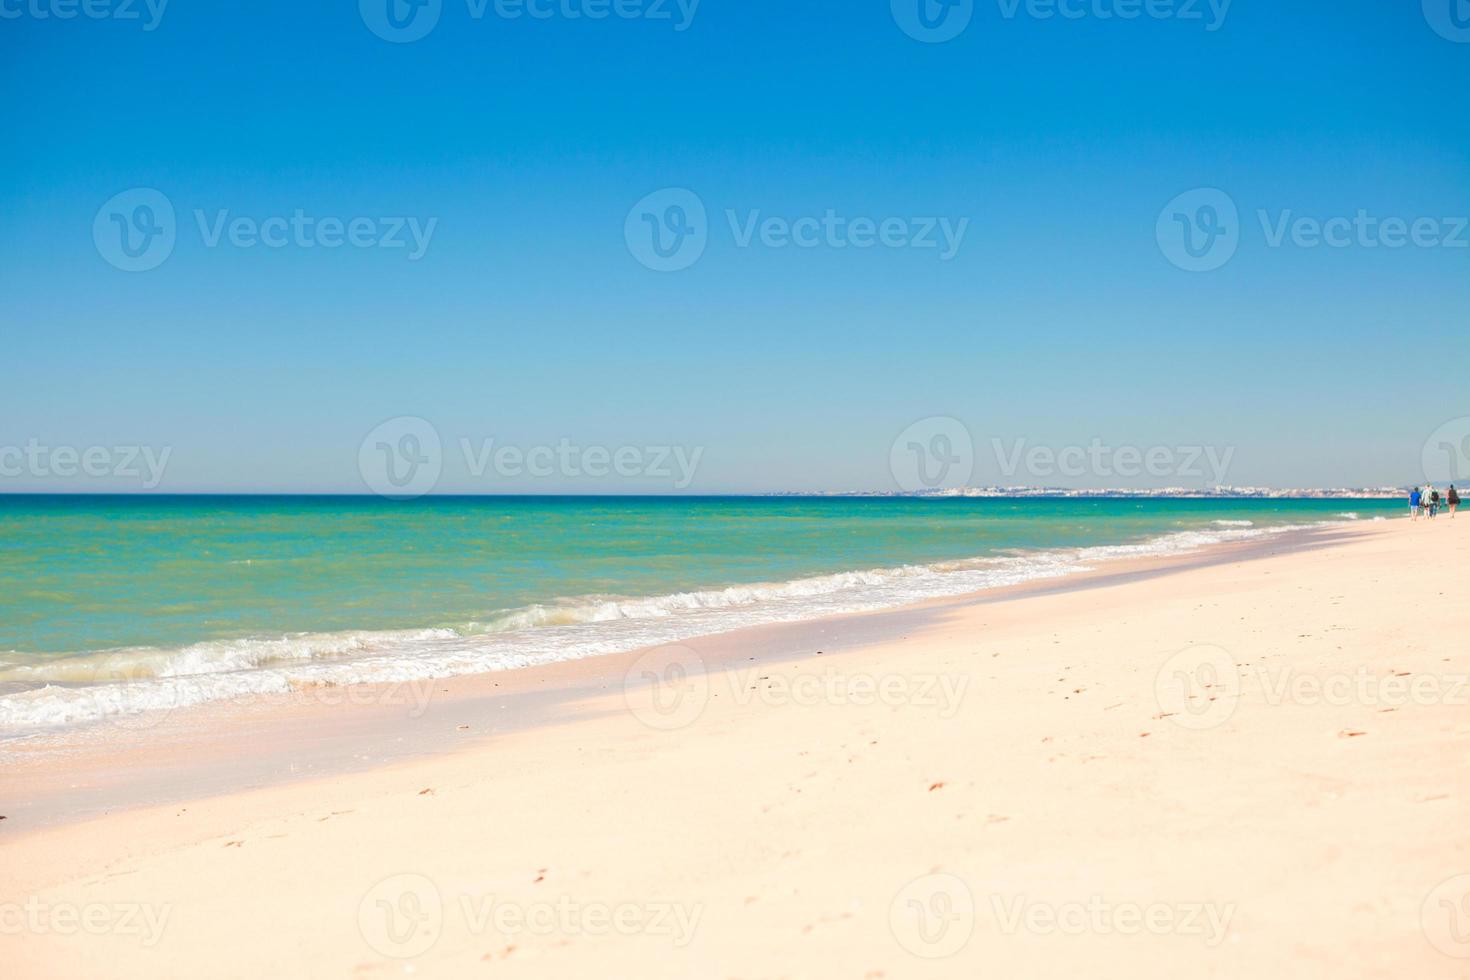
<point x="528" y="319"/>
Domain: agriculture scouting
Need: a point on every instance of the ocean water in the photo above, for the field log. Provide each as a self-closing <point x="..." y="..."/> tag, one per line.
<point x="119" y="605"/>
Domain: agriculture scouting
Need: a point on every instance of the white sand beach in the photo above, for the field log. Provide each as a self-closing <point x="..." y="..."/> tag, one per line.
<point x="1252" y="765"/>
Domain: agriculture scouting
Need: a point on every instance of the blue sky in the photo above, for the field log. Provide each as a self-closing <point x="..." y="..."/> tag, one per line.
<point x="1060" y="319"/>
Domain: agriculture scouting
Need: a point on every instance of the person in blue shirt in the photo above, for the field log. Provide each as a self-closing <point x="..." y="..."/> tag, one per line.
<point x="1414" y="503"/>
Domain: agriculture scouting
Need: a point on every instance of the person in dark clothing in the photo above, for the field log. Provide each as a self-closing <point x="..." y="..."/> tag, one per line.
<point x="1453" y="499"/>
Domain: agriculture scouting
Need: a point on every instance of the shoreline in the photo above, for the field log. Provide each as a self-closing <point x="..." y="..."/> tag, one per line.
<point x="1047" y="757"/>
<point x="52" y="695"/>
<point x="167" y="757"/>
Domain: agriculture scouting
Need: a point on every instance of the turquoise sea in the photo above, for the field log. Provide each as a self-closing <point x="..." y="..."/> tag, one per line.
<point x="143" y="594"/>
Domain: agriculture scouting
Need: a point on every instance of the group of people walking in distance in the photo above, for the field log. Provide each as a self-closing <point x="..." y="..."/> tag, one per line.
<point x="1425" y="501"/>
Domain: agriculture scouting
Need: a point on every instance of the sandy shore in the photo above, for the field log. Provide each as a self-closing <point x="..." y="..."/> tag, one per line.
<point x="1250" y="766"/>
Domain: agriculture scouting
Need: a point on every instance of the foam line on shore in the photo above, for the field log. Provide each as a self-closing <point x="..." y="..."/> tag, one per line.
<point x="92" y="686"/>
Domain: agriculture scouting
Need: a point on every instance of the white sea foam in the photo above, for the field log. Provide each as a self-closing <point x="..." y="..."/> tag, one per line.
<point x="1234" y="523"/>
<point x="130" y="681"/>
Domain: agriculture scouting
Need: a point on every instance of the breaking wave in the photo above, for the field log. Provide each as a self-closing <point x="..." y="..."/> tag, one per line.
<point x="92" y="686"/>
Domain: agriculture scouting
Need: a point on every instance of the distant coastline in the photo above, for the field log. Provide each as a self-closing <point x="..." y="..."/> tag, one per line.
<point x="1215" y="493"/>
<point x="1175" y="493"/>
